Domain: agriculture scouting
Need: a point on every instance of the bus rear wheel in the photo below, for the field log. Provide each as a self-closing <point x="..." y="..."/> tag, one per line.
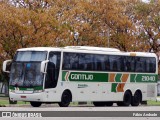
<point x="35" y="104"/>
<point x="65" y="99"/>
<point x="136" y="99"/>
<point x="120" y="104"/>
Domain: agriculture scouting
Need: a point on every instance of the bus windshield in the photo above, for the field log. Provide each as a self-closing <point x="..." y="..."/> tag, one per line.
<point x="25" y="69"/>
<point x="30" y="56"/>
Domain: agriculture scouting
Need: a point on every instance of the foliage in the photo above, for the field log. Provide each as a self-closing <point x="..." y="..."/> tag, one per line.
<point x="129" y="25"/>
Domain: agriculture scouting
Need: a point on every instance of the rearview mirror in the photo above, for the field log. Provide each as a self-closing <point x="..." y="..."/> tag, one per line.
<point x="43" y="64"/>
<point x="6" y="64"/>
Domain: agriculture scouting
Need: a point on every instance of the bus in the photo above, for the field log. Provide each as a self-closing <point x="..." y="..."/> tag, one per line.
<point x="102" y="76"/>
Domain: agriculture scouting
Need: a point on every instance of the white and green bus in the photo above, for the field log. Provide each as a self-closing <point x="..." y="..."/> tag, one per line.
<point x="80" y="73"/>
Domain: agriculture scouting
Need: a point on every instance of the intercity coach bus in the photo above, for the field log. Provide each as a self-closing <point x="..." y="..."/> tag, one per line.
<point x="102" y="76"/>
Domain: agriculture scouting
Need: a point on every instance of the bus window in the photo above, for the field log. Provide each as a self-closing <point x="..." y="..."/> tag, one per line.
<point x="152" y="65"/>
<point x="97" y="62"/>
<point x="70" y="61"/>
<point x="81" y="62"/>
<point x="52" y="70"/>
<point x="113" y="63"/>
<point x="140" y="64"/>
<point x="88" y="62"/>
<point x="130" y="64"/>
<point x="107" y="63"/>
<point x="73" y="61"/>
<point x="147" y="65"/>
<point x="123" y="64"/>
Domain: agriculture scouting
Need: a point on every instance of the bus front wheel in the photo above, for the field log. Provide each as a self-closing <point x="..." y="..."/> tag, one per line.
<point x="99" y="104"/>
<point x="65" y="99"/>
<point x="109" y="103"/>
<point x="127" y="98"/>
<point x="35" y="104"/>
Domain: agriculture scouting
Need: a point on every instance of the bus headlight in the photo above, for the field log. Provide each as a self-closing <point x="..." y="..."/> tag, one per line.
<point x="11" y="90"/>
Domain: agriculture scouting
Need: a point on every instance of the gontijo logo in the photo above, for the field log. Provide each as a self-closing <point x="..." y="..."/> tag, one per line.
<point x="81" y="77"/>
<point x="84" y="76"/>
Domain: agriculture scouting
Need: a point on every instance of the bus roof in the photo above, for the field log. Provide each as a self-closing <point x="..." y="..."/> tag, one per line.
<point x="93" y="48"/>
<point x="89" y="49"/>
<point x="39" y="49"/>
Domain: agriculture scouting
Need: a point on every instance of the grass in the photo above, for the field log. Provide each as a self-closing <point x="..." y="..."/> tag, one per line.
<point x="153" y="103"/>
<point x="5" y="101"/>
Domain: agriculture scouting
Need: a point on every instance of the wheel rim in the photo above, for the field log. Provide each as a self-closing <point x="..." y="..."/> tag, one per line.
<point x="127" y="99"/>
<point x="137" y="97"/>
<point x="66" y="99"/>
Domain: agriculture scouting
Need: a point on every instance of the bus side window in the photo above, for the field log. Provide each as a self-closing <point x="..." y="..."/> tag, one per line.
<point x="123" y="64"/>
<point x="130" y="64"/>
<point x="113" y="63"/>
<point x="139" y="67"/>
<point x="106" y="63"/>
<point x="52" y="70"/>
<point x="152" y="65"/>
<point x="97" y="62"/>
<point x="66" y="60"/>
<point x="147" y="65"/>
<point x="140" y="64"/>
<point x="81" y="62"/>
<point x="115" y="66"/>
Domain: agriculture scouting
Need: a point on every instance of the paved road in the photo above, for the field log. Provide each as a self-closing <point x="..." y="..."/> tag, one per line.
<point x="80" y="110"/>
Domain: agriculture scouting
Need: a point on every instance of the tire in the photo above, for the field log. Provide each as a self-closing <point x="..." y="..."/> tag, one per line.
<point x="65" y="99"/>
<point x="109" y="103"/>
<point x="99" y="104"/>
<point x="120" y="104"/>
<point x="35" y="104"/>
<point x="136" y="99"/>
<point x="127" y="98"/>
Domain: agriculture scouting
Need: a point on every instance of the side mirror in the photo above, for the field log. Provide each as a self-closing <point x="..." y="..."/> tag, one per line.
<point x="5" y="65"/>
<point x="43" y="64"/>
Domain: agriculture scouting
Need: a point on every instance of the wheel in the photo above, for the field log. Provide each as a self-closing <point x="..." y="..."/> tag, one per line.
<point x="136" y="99"/>
<point x="127" y="98"/>
<point x="120" y="104"/>
<point x="109" y="103"/>
<point x="35" y="104"/>
<point x="65" y="99"/>
<point x="99" y="104"/>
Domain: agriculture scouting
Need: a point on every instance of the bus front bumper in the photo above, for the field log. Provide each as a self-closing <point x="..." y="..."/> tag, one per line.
<point x="27" y="97"/>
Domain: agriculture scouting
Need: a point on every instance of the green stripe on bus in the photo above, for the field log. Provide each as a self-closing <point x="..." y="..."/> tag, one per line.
<point x="84" y="76"/>
<point x="133" y="78"/>
<point x="27" y="89"/>
<point x="114" y="87"/>
<point x="150" y="78"/>
<point x="104" y="77"/>
<point x="118" y="77"/>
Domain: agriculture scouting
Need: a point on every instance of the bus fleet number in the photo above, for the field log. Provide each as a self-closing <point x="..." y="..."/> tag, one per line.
<point x="148" y="78"/>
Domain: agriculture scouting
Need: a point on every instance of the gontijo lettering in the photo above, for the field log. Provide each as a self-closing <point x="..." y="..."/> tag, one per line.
<point x="82" y="76"/>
